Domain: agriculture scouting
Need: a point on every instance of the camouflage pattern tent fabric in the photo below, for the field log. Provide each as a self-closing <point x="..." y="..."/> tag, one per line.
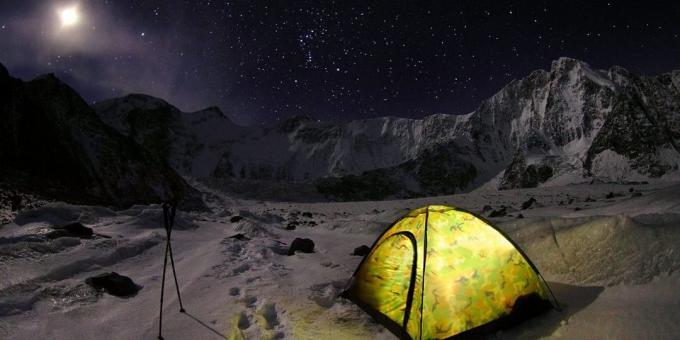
<point x="441" y="271"/>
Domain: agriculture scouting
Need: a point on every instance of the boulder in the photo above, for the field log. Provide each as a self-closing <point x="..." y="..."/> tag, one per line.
<point x="361" y="250"/>
<point x="114" y="284"/>
<point x="304" y="245"/>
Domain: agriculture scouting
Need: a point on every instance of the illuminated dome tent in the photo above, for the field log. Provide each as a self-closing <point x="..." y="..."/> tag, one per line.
<point x="442" y="272"/>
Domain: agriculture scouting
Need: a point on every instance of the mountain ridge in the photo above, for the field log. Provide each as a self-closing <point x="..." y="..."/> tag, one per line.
<point x="565" y="121"/>
<point x="55" y="144"/>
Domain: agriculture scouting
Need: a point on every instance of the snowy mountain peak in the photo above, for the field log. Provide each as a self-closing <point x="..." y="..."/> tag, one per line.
<point x="566" y="63"/>
<point x="575" y="70"/>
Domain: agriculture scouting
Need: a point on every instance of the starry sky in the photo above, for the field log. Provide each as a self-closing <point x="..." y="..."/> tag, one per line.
<point x="264" y="61"/>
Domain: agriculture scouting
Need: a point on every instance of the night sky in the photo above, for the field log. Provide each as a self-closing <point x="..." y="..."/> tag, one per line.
<point x="263" y="61"/>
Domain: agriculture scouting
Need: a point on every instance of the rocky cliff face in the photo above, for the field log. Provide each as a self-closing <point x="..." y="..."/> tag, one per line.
<point x="579" y="123"/>
<point x="642" y="133"/>
<point x="53" y="141"/>
<point x="571" y="123"/>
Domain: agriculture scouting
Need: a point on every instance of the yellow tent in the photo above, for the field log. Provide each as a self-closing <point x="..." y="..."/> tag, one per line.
<point x="441" y="272"/>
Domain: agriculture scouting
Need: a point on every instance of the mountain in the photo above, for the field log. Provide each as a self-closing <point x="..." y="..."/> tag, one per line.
<point x="569" y="124"/>
<point x="53" y="142"/>
<point x="574" y="123"/>
<point x="191" y="142"/>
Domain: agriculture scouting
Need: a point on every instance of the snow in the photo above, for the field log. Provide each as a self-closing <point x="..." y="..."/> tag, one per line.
<point x="610" y="166"/>
<point x="613" y="265"/>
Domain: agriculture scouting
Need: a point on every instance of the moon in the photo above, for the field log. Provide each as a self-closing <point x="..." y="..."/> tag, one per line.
<point x="69" y="16"/>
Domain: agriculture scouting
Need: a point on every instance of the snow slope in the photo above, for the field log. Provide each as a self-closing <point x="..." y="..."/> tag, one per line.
<point x="611" y="260"/>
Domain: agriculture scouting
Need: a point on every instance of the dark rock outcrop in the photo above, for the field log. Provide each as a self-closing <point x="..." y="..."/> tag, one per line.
<point x="519" y="175"/>
<point x="114" y="284"/>
<point x="361" y="250"/>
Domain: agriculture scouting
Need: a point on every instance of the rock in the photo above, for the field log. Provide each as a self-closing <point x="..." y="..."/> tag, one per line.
<point x="577" y="209"/>
<point x="361" y="250"/>
<point x="520" y="175"/>
<point x="631" y="190"/>
<point x="75" y="229"/>
<point x="292" y="225"/>
<point x="610" y="195"/>
<point x="499" y="213"/>
<point x="528" y="203"/>
<point x="486" y="208"/>
<point x="235" y="219"/>
<point x="636" y="194"/>
<point x="240" y="237"/>
<point x="114" y="284"/>
<point x="588" y="199"/>
<point x="571" y="200"/>
<point x="520" y="216"/>
<point x="307" y="214"/>
<point x="304" y="245"/>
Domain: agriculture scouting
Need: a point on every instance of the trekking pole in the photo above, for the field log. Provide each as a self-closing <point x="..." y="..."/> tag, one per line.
<point x="172" y="260"/>
<point x="168" y="219"/>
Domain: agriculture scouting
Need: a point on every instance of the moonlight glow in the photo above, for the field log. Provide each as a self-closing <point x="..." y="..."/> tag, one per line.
<point x="69" y="16"/>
